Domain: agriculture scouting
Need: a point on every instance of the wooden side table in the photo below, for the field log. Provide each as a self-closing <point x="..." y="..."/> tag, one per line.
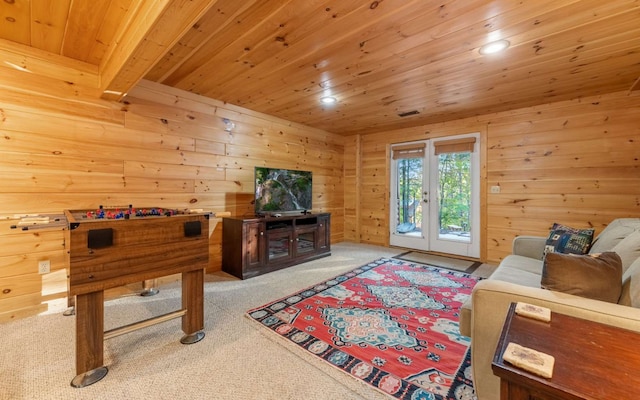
<point x="592" y="360"/>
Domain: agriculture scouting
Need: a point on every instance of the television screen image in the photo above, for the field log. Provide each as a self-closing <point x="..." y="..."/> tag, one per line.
<point x="282" y="190"/>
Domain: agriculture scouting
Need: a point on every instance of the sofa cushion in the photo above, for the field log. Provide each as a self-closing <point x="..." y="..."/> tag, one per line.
<point x="615" y="232"/>
<point x="520" y="270"/>
<point x="631" y="286"/>
<point x="628" y="249"/>
<point x="596" y="276"/>
<point x="564" y="239"/>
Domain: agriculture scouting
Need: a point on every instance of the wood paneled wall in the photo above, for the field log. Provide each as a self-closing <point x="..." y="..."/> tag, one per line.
<point x="60" y="148"/>
<point x="573" y="162"/>
<point x="576" y="163"/>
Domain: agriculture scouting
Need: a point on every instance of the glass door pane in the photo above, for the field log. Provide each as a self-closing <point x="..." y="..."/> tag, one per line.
<point x="408" y="206"/>
<point x="409" y="197"/>
<point x="454" y="197"/>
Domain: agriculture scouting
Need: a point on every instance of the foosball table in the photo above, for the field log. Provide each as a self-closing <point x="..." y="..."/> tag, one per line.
<point x="111" y="247"/>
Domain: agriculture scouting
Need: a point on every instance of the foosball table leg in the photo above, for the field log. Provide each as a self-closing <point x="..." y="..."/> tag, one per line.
<point x="89" y="339"/>
<point x="149" y="288"/>
<point x="193" y="303"/>
<point x="71" y="307"/>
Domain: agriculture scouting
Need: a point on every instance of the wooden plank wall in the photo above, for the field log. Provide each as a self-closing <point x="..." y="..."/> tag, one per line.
<point x="576" y="163"/>
<point x="573" y="162"/>
<point x="352" y="184"/>
<point x="60" y="148"/>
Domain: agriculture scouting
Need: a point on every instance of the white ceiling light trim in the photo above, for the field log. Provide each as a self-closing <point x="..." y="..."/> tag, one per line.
<point x="328" y="100"/>
<point x="494" y="47"/>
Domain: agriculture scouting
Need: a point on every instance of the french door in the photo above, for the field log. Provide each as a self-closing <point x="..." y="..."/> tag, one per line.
<point x="435" y="195"/>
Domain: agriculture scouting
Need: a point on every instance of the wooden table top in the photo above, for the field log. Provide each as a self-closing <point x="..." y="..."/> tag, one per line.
<point x="592" y="360"/>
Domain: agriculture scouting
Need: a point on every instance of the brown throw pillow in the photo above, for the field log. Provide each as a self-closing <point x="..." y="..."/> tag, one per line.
<point x="596" y="276"/>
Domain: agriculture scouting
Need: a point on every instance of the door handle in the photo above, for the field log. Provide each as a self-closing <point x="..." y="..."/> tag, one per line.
<point x="425" y="197"/>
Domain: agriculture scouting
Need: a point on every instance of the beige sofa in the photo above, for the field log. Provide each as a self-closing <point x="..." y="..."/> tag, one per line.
<point x="518" y="278"/>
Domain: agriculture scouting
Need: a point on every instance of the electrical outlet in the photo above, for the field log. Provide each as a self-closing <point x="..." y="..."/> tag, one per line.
<point x="495" y="189"/>
<point x="44" y="267"/>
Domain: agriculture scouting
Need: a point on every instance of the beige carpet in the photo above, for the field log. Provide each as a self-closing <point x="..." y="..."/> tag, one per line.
<point x="234" y="361"/>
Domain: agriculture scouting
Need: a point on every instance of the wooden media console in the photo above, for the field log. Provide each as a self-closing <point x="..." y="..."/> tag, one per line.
<point x="108" y="252"/>
<point x="254" y="246"/>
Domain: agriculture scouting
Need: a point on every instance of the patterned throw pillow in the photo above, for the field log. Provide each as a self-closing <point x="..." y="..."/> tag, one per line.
<point x="563" y="239"/>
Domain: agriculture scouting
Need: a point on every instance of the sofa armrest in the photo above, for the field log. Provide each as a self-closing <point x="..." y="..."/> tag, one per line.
<point x="529" y="246"/>
<point x="490" y="303"/>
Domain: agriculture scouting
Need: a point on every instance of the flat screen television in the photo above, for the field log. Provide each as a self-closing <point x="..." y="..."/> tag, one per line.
<point x="280" y="191"/>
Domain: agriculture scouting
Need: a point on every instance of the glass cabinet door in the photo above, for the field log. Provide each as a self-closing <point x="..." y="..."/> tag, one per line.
<point x="279" y="245"/>
<point x="305" y="241"/>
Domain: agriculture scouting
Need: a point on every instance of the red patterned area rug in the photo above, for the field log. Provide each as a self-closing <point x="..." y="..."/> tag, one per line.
<point x="391" y="323"/>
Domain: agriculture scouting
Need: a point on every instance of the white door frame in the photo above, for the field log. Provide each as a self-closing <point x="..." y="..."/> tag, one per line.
<point x="428" y="239"/>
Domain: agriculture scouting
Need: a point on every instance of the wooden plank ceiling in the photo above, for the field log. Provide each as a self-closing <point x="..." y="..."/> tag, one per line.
<point x="379" y="58"/>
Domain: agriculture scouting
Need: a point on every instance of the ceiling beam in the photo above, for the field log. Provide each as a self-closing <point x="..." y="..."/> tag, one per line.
<point x="150" y="30"/>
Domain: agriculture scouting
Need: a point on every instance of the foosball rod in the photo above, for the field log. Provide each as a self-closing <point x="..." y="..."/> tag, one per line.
<point x="55" y="224"/>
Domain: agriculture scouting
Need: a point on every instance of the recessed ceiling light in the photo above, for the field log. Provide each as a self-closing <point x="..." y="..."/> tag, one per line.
<point x="494" y="47"/>
<point x="328" y="100"/>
